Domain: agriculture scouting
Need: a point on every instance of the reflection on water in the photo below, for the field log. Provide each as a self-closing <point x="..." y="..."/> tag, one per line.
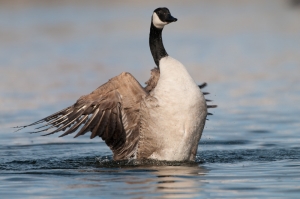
<point x="179" y="182"/>
<point x="51" y="53"/>
<point x="162" y="182"/>
<point x="165" y="182"/>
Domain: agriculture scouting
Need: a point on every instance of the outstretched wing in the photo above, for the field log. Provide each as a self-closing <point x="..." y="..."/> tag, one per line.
<point x="110" y="112"/>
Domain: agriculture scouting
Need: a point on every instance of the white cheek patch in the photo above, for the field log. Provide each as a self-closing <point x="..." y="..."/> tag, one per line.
<point x="157" y="22"/>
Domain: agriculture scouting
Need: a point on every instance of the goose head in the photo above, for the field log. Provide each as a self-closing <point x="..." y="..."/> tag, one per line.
<point x="162" y="17"/>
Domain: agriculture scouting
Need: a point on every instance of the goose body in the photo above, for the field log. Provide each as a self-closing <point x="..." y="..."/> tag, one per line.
<point x="179" y="114"/>
<point x="162" y="121"/>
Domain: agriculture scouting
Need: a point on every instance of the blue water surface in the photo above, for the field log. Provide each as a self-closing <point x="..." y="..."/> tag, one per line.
<point x="52" y="52"/>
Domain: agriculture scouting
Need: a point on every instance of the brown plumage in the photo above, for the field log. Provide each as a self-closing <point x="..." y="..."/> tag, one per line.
<point x="112" y="112"/>
<point x="151" y="83"/>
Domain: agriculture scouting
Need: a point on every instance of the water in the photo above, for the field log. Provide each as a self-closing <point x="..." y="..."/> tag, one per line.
<point x="51" y="53"/>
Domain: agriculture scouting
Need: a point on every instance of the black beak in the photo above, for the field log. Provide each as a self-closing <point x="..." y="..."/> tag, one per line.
<point x="170" y="19"/>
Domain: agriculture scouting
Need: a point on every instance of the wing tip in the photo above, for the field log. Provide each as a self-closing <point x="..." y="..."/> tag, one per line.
<point x="212" y="106"/>
<point x="202" y="85"/>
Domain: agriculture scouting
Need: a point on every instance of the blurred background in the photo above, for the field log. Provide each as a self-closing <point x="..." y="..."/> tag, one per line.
<point x="248" y="52"/>
<point x="53" y="52"/>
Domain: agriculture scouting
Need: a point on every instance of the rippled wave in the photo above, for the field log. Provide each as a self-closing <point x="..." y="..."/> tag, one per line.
<point x="94" y="161"/>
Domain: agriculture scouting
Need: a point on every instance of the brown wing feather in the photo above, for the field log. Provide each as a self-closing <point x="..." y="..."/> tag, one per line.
<point x="110" y="112"/>
<point x="151" y="83"/>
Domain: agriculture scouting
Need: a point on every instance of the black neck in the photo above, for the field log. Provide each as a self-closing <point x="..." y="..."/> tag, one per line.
<point x="156" y="45"/>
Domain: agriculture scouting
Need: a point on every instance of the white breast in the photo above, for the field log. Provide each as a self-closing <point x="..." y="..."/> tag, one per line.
<point x="180" y="113"/>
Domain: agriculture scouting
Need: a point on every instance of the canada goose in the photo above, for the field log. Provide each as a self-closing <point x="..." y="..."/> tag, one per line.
<point x="162" y="121"/>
